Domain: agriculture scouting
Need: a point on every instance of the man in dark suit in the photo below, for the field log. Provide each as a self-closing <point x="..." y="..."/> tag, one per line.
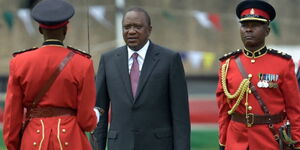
<point x="146" y="88"/>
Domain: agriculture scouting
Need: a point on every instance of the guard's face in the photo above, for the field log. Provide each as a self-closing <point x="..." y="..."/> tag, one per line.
<point x="136" y="30"/>
<point x="253" y="33"/>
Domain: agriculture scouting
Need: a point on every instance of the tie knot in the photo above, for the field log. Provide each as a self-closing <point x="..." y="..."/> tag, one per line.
<point x="135" y="55"/>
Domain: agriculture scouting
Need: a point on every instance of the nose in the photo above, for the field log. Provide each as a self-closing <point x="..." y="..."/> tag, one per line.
<point x="131" y="30"/>
<point x="248" y="28"/>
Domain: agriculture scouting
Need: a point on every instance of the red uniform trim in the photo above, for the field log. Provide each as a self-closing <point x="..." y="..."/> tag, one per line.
<point x="258" y="12"/>
<point x="53" y="26"/>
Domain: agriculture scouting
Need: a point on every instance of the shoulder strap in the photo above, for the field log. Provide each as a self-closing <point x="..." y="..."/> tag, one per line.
<point x="52" y="78"/>
<point x="253" y="89"/>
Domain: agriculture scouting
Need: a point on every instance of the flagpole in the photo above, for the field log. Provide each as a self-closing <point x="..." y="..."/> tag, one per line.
<point x="88" y="26"/>
<point x="120" y="4"/>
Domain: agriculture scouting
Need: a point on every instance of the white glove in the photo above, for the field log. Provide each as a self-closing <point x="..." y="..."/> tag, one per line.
<point x="98" y="114"/>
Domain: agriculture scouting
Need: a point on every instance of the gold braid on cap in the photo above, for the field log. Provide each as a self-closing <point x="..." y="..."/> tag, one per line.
<point x="243" y="88"/>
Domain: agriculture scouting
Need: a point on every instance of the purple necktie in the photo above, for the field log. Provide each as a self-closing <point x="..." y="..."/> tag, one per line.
<point x="134" y="73"/>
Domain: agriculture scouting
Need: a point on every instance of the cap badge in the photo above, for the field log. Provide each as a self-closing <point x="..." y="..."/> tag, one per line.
<point x="252" y="11"/>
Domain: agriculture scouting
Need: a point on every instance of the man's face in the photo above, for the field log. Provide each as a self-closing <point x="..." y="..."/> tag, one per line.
<point x="136" y="30"/>
<point x="253" y="33"/>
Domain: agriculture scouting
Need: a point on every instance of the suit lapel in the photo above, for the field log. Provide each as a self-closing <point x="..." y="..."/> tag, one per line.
<point x="151" y="59"/>
<point x="122" y="64"/>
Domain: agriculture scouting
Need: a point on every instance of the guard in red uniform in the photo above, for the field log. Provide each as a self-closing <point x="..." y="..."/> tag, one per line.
<point x="257" y="90"/>
<point x="66" y="110"/>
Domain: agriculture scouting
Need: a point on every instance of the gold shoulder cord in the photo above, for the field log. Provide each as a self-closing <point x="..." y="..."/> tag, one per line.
<point x="243" y="88"/>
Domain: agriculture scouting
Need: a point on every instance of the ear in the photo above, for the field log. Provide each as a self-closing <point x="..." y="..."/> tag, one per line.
<point x="268" y="29"/>
<point x="41" y="30"/>
<point x="65" y="29"/>
<point x="150" y="29"/>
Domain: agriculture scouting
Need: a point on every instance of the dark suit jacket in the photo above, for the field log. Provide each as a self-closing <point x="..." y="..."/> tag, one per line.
<point x="158" y="118"/>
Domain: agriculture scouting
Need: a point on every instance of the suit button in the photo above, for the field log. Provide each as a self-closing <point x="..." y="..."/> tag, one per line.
<point x="66" y="143"/>
<point x="249" y="75"/>
<point x="34" y="144"/>
<point x="38" y="131"/>
<point x="64" y="130"/>
<point x="249" y="91"/>
<point x="249" y="107"/>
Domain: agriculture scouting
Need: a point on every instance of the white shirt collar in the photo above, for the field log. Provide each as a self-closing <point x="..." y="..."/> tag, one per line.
<point x="142" y="52"/>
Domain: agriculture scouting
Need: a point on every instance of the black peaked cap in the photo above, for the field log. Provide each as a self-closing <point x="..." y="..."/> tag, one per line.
<point x="52" y="12"/>
<point x="258" y="4"/>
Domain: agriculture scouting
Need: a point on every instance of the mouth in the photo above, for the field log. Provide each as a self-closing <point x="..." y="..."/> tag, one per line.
<point x="248" y="37"/>
<point x="132" y="39"/>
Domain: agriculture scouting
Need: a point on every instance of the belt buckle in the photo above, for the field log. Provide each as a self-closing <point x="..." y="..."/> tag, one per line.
<point x="249" y="119"/>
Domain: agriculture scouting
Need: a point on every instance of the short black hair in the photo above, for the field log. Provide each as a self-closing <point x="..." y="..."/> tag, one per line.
<point x="138" y="9"/>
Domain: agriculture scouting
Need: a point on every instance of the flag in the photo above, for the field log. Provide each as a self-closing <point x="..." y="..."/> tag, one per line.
<point x="9" y="19"/>
<point x="215" y="20"/>
<point x="98" y="13"/>
<point x="24" y="15"/>
<point x="195" y="58"/>
<point x="168" y="15"/>
<point x="208" y="20"/>
<point x="208" y="60"/>
<point x="202" y="18"/>
<point x="275" y="28"/>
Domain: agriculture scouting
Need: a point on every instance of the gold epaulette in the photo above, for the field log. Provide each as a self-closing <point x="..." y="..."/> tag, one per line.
<point x="279" y="53"/>
<point x="78" y="51"/>
<point x="24" y="50"/>
<point x="228" y="55"/>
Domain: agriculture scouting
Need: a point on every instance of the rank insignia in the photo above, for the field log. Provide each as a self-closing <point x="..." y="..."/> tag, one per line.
<point x="267" y="80"/>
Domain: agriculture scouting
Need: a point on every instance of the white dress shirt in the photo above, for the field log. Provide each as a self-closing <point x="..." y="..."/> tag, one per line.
<point x="142" y="54"/>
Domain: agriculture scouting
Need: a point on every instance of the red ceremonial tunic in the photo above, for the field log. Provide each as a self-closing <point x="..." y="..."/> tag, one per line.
<point x="74" y="88"/>
<point x="269" y="65"/>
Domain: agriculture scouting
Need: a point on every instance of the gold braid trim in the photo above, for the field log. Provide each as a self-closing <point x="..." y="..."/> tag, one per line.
<point x="243" y="88"/>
